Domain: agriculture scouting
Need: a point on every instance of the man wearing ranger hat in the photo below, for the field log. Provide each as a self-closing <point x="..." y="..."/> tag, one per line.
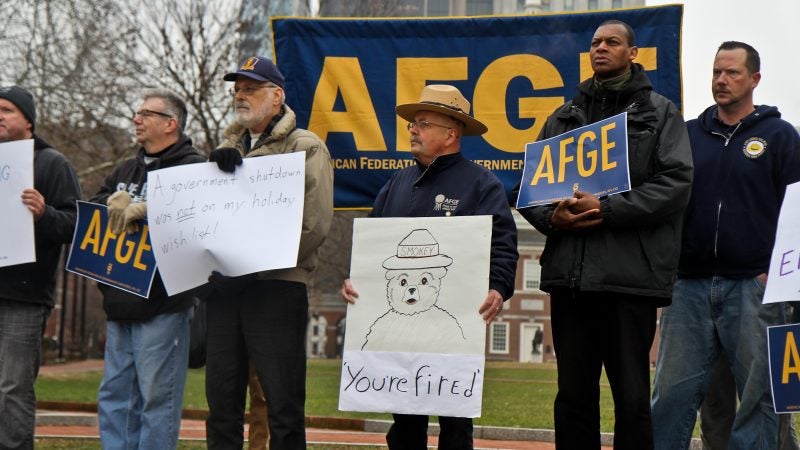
<point x="444" y="183"/>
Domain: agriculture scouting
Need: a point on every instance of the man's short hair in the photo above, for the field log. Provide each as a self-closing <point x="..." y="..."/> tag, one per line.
<point x="175" y="105"/>
<point x="628" y="30"/>
<point x="752" y="61"/>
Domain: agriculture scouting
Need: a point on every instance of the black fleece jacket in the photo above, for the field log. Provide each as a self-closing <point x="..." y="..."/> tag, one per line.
<point x="636" y="249"/>
<point x="131" y="176"/>
<point x="55" y="179"/>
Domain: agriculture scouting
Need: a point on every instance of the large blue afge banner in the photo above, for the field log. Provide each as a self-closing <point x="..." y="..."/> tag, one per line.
<point x="344" y="78"/>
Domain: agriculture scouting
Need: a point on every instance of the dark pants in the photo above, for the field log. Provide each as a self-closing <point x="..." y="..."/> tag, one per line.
<point x="264" y="324"/>
<point x="410" y="432"/>
<point x="21" y="328"/>
<point x="594" y="330"/>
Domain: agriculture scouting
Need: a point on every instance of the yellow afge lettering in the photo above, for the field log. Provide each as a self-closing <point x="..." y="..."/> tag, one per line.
<point x="545" y="168"/>
<point x="563" y="158"/>
<point x="489" y="101"/>
<point x="606" y="146"/>
<point x="98" y="237"/>
<point x="791" y="359"/>
<point x="137" y="262"/>
<point x="92" y="235"/>
<point x="344" y="76"/>
<point x="123" y="258"/>
<point x="583" y="155"/>
<point x="586" y="150"/>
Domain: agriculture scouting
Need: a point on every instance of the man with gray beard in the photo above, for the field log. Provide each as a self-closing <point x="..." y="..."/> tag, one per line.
<point x="261" y="318"/>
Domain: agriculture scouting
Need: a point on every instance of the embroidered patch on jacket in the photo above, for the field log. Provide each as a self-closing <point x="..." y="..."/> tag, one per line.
<point x="754" y="147"/>
<point x="442" y="203"/>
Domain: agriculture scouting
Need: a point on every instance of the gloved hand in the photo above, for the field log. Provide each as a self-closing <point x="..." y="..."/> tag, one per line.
<point x="133" y="213"/>
<point x="117" y="203"/>
<point x="230" y="285"/>
<point x="227" y="158"/>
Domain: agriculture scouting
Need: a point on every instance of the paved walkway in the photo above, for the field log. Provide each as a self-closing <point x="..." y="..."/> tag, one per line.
<point x="195" y="430"/>
<point x="67" y="420"/>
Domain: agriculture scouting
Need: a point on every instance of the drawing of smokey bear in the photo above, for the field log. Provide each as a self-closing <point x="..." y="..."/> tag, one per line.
<point x="414" y="321"/>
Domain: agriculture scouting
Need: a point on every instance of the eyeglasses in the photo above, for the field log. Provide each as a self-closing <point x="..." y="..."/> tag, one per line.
<point x="250" y="90"/>
<point x="424" y="125"/>
<point x="151" y="113"/>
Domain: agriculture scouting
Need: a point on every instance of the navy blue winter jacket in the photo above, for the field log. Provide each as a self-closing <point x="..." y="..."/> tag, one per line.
<point x="452" y="185"/>
<point x="741" y="173"/>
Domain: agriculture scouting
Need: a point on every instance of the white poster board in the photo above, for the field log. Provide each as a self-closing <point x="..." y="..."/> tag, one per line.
<point x="415" y="340"/>
<point x="17" y="246"/>
<point x="783" y="283"/>
<point x="202" y="219"/>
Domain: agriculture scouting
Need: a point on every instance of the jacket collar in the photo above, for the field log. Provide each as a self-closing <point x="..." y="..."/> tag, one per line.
<point x="281" y="129"/>
<point x="438" y="165"/>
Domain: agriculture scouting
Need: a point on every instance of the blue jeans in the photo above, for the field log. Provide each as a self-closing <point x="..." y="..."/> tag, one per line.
<point x="709" y="317"/>
<point x="21" y="327"/>
<point x="141" y="395"/>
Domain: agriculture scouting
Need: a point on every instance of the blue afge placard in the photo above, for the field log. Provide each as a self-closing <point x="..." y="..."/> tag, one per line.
<point x="784" y="367"/>
<point x="593" y="159"/>
<point x="125" y="261"/>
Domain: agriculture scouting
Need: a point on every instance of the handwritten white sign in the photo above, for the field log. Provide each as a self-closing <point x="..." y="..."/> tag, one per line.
<point x="202" y="219"/>
<point x="415" y="341"/>
<point x="17" y="245"/>
<point x="783" y="283"/>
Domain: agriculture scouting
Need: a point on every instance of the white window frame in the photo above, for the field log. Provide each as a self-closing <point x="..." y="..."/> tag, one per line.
<point x="526" y="271"/>
<point x="506" y="340"/>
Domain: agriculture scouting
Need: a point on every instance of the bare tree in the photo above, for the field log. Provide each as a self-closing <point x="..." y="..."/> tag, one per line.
<point x="368" y="8"/>
<point x="70" y="55"/>
<point x="88" y="61"/>
<point x="187" y="48"/>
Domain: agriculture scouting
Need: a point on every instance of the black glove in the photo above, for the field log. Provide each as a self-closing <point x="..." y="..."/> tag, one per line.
<point x="227" y="158"/>
<point x="230" y="285"/>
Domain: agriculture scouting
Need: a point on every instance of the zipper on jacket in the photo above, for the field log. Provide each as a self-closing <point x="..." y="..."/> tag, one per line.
<point x="728" y="138"/>
<point x="716" y="228"/>
<point x="719" y="205"/>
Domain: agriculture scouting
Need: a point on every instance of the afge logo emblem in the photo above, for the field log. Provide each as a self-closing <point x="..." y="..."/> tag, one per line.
<point x="442" y="203"/>
<point x="250" y="64"/>
<point x="754" y="147"/>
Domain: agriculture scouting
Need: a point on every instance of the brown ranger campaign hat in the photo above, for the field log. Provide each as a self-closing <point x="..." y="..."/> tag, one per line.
<point x="447" y="100"/>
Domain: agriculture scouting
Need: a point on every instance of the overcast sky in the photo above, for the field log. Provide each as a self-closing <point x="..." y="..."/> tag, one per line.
<point x="771" y="26"/>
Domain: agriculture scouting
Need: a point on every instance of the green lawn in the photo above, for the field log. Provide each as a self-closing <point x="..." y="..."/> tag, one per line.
<point x="515" y="395"/>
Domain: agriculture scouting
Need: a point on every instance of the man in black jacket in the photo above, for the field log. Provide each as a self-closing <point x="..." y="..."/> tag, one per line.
<point x="147" y="340"/>
<point x="609" y="262"/>
<point x="27" y="291"/>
